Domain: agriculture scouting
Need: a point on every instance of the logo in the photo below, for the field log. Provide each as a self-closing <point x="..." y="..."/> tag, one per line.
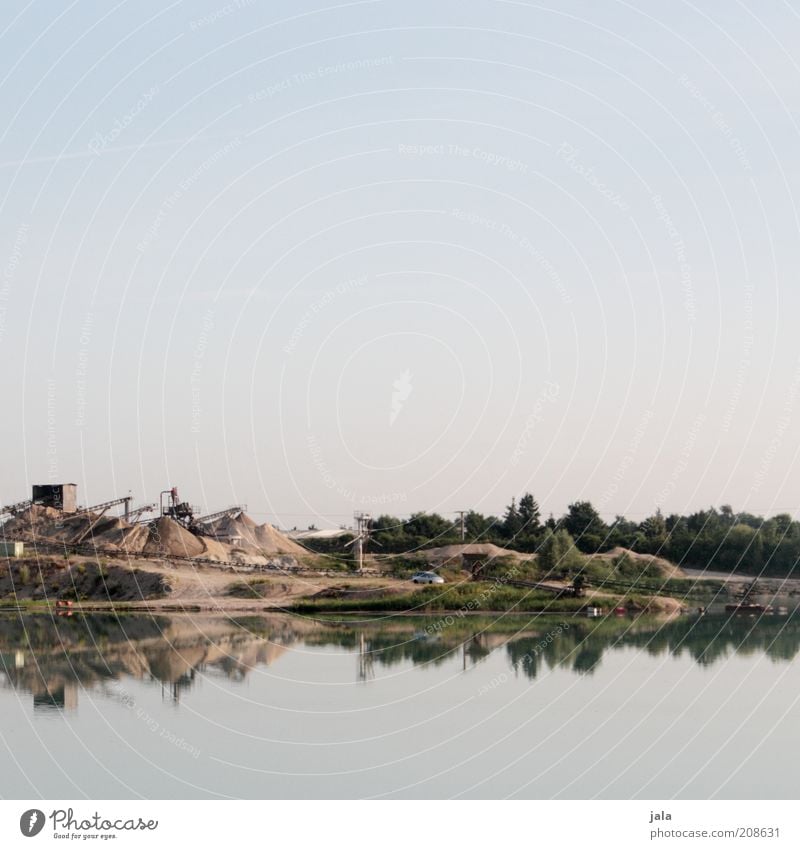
<point x="402" y="389"/>
<point x="31" y="822"/>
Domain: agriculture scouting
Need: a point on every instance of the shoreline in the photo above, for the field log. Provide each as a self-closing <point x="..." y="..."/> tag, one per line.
<point x="225" y="607"/>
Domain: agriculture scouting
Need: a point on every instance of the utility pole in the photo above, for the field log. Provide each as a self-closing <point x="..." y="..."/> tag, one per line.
<point x="461" y="514"/>
<point x="362" y="536"/>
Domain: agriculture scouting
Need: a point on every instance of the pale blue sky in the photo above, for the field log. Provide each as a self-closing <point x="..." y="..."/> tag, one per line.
<point x="568" y="233"/>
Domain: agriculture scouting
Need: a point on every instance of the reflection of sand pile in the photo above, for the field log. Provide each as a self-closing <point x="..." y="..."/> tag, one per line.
<point x="229" y="538"/>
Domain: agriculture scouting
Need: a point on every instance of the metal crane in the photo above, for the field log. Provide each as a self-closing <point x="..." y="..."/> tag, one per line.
<point x="134" y="515"/>
<point x="234" y="511"/>
<point x="106" y="505"/>
<point x="101" y="510"/>
<point x="11" y="509"/>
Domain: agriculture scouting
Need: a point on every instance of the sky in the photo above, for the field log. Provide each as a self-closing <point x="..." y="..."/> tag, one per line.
<point x="320" y="258"/>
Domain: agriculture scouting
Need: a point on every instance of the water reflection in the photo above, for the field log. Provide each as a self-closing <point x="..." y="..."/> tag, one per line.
<point x="53" y="659"/>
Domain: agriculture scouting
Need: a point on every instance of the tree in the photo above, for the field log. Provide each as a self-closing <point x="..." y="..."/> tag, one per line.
<point x="430" y="527"/>
<point x="558" y="554"/>
<point x="585" y="525"/>
<point x="622" y="532"/>
<point x="529" y="513"/>
<point x="512" y="521"/>
<point x="783" y="523"/>
<point x="655" y="526"/>
<point x="654" y="532"/>
<point x="476" y="525"/>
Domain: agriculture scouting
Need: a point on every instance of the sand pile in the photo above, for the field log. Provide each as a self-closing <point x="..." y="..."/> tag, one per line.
<point x="128" y="538"/>
<point x="237" y="538"/>
<point x="255" y="539"/>
<point x="166" y="536"/>
<point x="47" y="523"/>
<point x="447" y="553"/>
<point x="50" y="525"/>
<point x="665" y="567"/>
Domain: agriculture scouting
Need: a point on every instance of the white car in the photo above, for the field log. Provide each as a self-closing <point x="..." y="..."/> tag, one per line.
<point x="427" y="578"/>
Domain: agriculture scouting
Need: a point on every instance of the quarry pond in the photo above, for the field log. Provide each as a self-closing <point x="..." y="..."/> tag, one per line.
<point x="109" y="705"/>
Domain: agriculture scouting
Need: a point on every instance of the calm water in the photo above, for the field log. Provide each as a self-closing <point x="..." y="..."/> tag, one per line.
<point x="268" y="707"/>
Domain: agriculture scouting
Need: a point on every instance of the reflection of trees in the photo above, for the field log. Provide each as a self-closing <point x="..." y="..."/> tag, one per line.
<point x="54" y="658"/>
<point x="706" y="639"/>
<point x="405" y="644"/>
<point x="388" y="648"/>
<point x="587" y="657"/>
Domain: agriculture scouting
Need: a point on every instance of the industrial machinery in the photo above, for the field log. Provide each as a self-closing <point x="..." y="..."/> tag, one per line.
<point x="136" y="514"/>
<point x="61" y="496"/>
<point x="234" y="512"/>
<point x="13" y="509"/>
<point x="106" y="505"/>
<point x="203" y="524"/>
<point x="172" y="506"/>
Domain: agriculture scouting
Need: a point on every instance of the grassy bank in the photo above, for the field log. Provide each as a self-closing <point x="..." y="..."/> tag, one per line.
<point x="467" y="597"/>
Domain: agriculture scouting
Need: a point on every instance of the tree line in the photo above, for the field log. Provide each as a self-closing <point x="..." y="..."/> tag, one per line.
<point x="716" y="539"/>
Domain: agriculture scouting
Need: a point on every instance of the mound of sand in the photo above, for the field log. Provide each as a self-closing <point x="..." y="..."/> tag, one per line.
<point x="46" y="523"/>
<point x="452" y="553"/>
<point x="665" y="567"/>
<point x="255" y="539"/>
<point x="238" y="538"/>
<point x="166" y="536"/>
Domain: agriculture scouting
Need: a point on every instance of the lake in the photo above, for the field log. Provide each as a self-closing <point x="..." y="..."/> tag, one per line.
<point x="198" y="706"/>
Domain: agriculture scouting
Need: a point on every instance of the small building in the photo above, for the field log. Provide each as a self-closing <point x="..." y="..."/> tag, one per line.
<point x="61" y="496"/>
<point x="11" y="548"/>
<point x="231" y="539"/>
